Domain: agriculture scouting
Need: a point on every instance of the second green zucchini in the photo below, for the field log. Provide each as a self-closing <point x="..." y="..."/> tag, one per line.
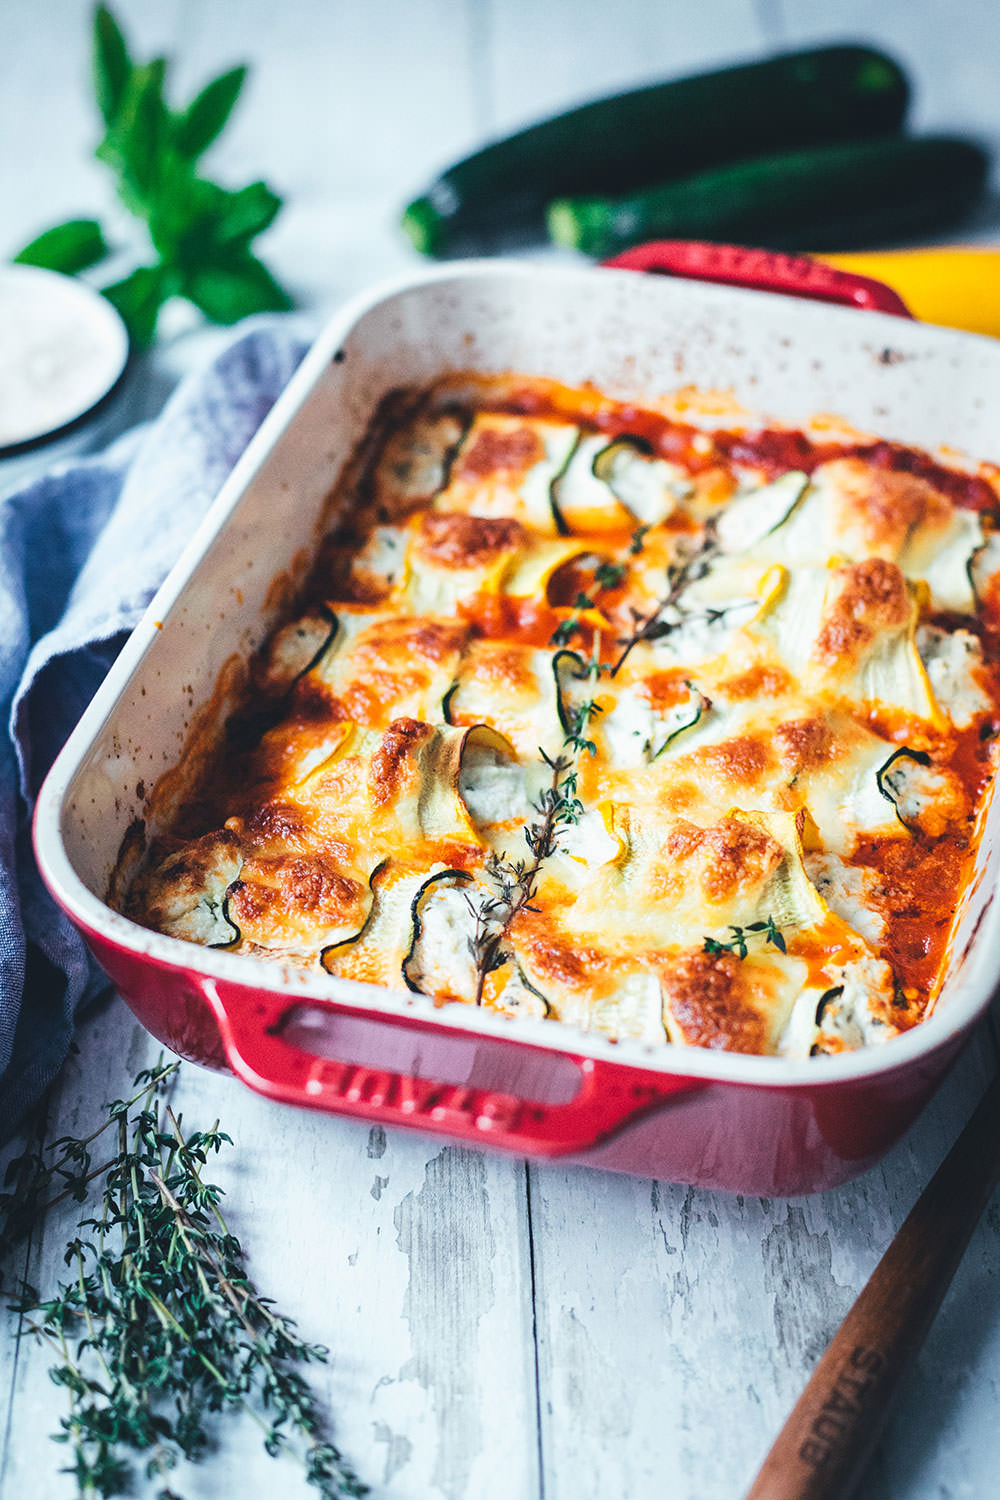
<point x="828" y="197"/>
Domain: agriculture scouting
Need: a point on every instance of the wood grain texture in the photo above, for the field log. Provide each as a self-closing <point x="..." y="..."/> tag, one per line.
<point x="823" y="1449"/>
<point x="729" y="1303"/>
<point x="498" y="1333"/>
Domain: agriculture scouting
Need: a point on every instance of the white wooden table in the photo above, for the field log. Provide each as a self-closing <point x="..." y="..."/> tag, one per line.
<point x="498" y="1331"/>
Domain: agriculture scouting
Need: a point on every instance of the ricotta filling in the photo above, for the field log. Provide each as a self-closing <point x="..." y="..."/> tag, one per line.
<point x="693" y="635"/>
<point x="382" y="555"/>
<point x="588" y="842"/>
<point x="754" y="514"/>
<point x="442" y="961"/>
<point x="493" y="789"/>
<point x="635" y="733"/>
<point x="633" y="1011"/>
<point x="648" y="487"/>
<point x="952" y="659"/>
<point x="926" y="796"/>
<point x="848" y="891"/>
<point x="857" y="1016"/>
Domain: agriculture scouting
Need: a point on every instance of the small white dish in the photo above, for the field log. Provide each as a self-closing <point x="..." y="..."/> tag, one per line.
<point x="64" y="351"/>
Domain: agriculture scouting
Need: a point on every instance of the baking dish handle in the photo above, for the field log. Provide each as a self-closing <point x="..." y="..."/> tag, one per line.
<point x="762" y="270"/>
<point x="610" y="1096"/>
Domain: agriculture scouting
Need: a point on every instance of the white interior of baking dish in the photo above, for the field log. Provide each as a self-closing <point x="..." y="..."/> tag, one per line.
<point x="634" y="337"/>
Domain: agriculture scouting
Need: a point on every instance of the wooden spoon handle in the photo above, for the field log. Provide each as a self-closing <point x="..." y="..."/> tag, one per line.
<point x="822" y="1450"/>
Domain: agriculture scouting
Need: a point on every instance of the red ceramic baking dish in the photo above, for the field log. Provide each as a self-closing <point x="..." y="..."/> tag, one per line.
<point x="751" y="1124"/>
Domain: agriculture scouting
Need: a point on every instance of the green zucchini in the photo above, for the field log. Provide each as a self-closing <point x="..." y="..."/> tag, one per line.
<point x="696" y="706"/>
<point x="510" y="998"/>
<point x="227" y="942"/>
<point x="341" y="943"/>
<point x="647" y="486"/>
<point x="248" y="725"/>
<point x="749" y="518"/>
<point x="415" y="923"/>
<point x="567" y="720"/>
<point x="885" y="784"/>
<point x="822" y="198"/>
<point x="827" y="998"/>
<point x="654" y="134"/>
<point x="446" y="703"/>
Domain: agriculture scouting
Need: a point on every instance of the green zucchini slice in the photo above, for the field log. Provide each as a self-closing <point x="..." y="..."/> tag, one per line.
<point x="297" y="649"/>
<point x="446" y="703"/>
<point x="186" y="895"/>
<point x="376" y="951"/>
<point x="749" y="518"/>
<point x="415" y="463"/>
<point x="581" y="498"/>
<point x="525" y="496"/>
<point x="885" y="780"/>
<point x="416" y="926"/>
<point x="827" y="998"/>
<point x="562" y="662"/>
<point x="983" y="565"/>
<point x="237" y="935"/>
<point x="946" y="561"/>
<point x="683" y="717"/>
<point x="523" y="997"/>
<point x="634" y="1009"/>
<point x="647" y="486"/>
<point x="634" y="733"/>
<point x="526" y="711"/>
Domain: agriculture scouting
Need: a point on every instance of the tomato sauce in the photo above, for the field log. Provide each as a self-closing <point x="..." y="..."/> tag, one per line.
<point x="774" y="450"/>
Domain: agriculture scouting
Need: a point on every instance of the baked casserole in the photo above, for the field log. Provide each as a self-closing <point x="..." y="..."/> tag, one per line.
<point x="596" y="714"/>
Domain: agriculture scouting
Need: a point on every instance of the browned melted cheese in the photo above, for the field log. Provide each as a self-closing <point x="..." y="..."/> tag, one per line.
<point x="882" y="507"/>
<point x="775" y="755"/>
<point x="865" y="599"/>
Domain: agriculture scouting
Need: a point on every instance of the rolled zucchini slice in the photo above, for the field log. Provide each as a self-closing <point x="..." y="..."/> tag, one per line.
<point x="505" y="466"/>
<point x="377" y="953"/>
<point x="751" y="517"/>
<point x="516" y="995"/>
<point x="632" y="732"/>
<point x="649" y="488"/>
<point x="446" y="703"/>
<point x="186" y="895"/>
<point x="927" y="799"/>
<point x="297" y="648"/>
<point x="677" y="721"/>
<point x="566" y="666"/>
<point x="439" y="960"/>
<point x="581" y="498"/>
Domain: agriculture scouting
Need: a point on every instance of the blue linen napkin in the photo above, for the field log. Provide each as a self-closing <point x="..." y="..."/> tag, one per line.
<point x="82" y="551"/>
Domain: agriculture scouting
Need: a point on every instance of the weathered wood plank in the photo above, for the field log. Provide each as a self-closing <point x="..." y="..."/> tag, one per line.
<point x="408" y="1258"/>
<point x="677" y="1327"/>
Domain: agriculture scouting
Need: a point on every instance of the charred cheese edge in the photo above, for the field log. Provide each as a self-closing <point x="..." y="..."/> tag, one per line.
<point x="754" y="780"/>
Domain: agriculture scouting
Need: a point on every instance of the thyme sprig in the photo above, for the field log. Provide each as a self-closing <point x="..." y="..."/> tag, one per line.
<point x="693" y="560"/>
<point x="567" y="629"/>
<point x="607" y="575"/>
<point x="31" y="1177"/>
<point x="739" y="942"/>
<point x="159" y="1326"/>
<point x="558" y="807"/>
